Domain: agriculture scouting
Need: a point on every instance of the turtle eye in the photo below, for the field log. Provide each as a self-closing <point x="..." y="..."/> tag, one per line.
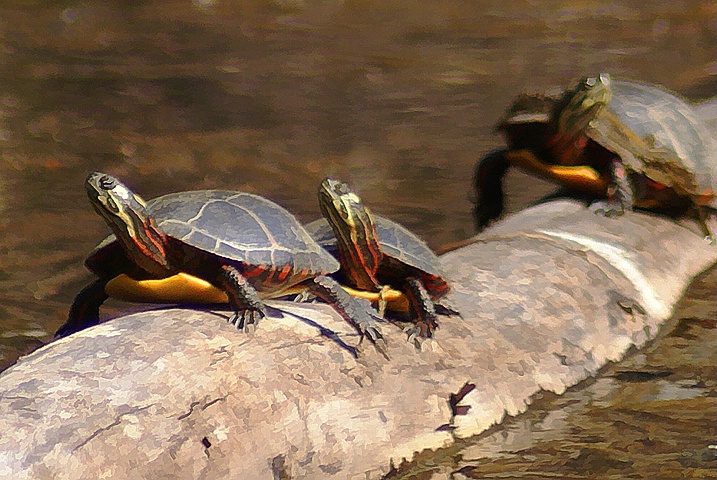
<point x="341" y="188"/>
<point x="107" y="183"/>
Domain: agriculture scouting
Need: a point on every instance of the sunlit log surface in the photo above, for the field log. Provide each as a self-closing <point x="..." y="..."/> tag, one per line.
<point x="707" y="111"/>
<point x="548" y="297"/>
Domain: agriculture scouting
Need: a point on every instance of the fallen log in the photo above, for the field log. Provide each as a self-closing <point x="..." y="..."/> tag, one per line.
<point x="547" y="297"/>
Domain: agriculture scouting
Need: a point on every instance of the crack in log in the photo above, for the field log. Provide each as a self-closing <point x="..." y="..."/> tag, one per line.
<point x="191" y="410"/>
<point x="203" y="407"/>
<point x="115" y="423"/>
<point x="226" y="354"/>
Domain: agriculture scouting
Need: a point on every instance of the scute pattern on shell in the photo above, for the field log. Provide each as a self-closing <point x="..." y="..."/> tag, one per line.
<point x="396" y="241"/>
<point x="239" y="227"/>
<point x="660" y="135"/>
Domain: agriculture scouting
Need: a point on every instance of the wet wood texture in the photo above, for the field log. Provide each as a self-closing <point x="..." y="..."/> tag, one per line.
<point x="548" y="297"/>
<point x="651" y="415"/>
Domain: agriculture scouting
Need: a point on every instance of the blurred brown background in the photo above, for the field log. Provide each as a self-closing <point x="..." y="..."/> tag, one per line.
<point x="398" y="98"/>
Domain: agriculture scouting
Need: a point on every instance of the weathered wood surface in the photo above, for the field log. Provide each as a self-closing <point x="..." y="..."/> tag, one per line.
<point x="181" y="394"/>
<point x="707" y="111"/>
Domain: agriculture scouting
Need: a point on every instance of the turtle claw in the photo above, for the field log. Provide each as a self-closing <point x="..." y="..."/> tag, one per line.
<point x="375" y="336"/>
<point x="372" y="332"/>
<point x="246" y="318"/>
<point x="607" y="208"/>
<point x="414" y="336"/>
<point x="368" y="328"/>
<point x="356" y="311"/>
<point x="620" y="193"/>
<point x="305" y="297"/>
<point x="447" y="309"/>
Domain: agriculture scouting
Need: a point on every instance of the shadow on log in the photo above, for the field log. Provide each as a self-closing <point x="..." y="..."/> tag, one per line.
<point x="548" y="297"/>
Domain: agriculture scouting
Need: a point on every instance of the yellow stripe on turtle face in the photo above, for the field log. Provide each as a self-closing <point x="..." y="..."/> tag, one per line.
<point x="185" y="288"/>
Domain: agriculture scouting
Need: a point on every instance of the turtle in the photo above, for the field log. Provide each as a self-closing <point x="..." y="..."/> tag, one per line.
<point x="622" y="144"/>
<point x="241" y="243"/>
<point x="379" y="255"/>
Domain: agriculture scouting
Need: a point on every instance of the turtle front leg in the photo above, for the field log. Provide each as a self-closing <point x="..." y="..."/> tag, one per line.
<point x="488" y="185"/>
<point x="357" y="312"/>
<point x="620" y="193"/>
<point x="85" y="309"/>
<point x="243" y="298"/>
<point x="423" y="308"/>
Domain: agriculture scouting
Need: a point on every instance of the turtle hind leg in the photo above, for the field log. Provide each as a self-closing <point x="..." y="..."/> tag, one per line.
<point x="422" y="307"/>
<point x="85" y="309"/>
<point x="357" y="312"/>
<point x="620" y="193"/>
<point x="243" y="298"/>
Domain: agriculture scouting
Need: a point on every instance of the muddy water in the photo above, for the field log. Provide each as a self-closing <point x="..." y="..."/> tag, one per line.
<point x="272" y="96"/>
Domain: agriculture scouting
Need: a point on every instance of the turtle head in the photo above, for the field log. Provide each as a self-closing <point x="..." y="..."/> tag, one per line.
<point x="574" y="112"/>
<point x="121" y="208"/>
<point x="126" y="214"/>
<point x="352" y="223"/>
<point x="597" y="86"/>
<point x="342" y="206"/>
<point x="585" y="101"/>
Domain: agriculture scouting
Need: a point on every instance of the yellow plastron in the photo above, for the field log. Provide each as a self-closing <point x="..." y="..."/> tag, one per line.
<point x="185" y="288"/>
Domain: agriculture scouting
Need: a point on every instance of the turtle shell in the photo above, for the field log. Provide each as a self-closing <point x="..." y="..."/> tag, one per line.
<point x="655" y="133"/>
<point x="237" y="228"/>
<point x="397" y="242"/>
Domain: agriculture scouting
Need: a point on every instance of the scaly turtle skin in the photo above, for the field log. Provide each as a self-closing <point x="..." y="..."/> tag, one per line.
<point x="243" y="244"/>
<point x="637" y="145"/>
<point x="376" y="253"/>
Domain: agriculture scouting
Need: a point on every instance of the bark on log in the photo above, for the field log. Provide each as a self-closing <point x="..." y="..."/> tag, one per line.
<point x="548" y="297"/>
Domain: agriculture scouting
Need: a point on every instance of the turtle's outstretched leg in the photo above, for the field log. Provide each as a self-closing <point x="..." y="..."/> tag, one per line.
<point x="85" y="309"/>
<point x="488" y="184"/>
<point x="243" y="298"/>
<point x="355" y="311"/>
<point x="620" y="193"/>
<point x="422" y="307"/>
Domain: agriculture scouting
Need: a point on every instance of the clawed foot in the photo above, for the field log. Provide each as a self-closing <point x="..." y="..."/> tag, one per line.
<point x="246" y="317"/>
<point x="365" y="321"/>
<point x="421" y="331"/>
<point x="356" y="311"/>
<point x="372" y="332"/>
<point x="607" y="208"/>
<point x="305" y="297"/>
<point x="374" y="335"/>
<point x="414" y="337"/>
